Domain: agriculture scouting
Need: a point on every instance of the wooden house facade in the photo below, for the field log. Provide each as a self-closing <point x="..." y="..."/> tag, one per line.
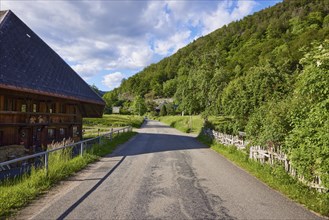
<point x="42" y="99"/>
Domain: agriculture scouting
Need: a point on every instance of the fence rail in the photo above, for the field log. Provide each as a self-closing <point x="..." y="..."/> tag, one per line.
<point x="272" y="156"/>
<point x="81" y="145"/>
<point x="264" y="155"/>
<point x="227" y="139"/>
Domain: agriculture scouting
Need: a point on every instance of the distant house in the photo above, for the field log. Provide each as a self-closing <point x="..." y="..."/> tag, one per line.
<point x="158" y="108"/>
<point x="116" y="109"/>
<point x="42" y="99"/>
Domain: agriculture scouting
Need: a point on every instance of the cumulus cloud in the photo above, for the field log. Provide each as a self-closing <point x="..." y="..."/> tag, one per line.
<point x="226" y="12"/>
<point x="113" y="80"/>
<point x="242" y="9"/>
<point x="176" y="41"/>
<point x="100" y="36"/>
<point x="133" y="55"/>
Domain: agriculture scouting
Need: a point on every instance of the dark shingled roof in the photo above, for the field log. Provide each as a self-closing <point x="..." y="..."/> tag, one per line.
<point x="27" y="63"/>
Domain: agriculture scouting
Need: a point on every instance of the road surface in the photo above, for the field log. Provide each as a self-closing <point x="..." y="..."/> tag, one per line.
<point x="164" y="174"/>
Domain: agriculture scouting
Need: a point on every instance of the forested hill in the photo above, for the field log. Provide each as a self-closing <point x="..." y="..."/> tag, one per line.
<point x="201" y="75"/>
<point x="267" y="75"/>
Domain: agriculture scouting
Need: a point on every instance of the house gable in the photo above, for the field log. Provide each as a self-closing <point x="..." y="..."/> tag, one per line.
<point x="28" y="64"/>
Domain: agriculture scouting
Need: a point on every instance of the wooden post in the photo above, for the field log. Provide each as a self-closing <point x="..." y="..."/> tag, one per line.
<point x="81" y="149"/>
<point x="46" y="162"/>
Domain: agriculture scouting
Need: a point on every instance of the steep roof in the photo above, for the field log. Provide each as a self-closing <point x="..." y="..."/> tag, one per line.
<point x="27" y="63"/>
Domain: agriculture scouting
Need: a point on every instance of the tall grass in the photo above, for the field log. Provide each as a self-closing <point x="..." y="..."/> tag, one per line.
<point x="187" y="124"/>
<point x="107" y="146"/>
<point x="94" y="126"/>
<point x="274" y="176"/>
<point x="115" y="121"/>
<point x="16" y="193"/>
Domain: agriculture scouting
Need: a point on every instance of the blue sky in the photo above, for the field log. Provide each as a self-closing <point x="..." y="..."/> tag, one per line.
<point x="106" y="41"/>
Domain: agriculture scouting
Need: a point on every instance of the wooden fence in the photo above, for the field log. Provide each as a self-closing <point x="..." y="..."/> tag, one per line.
<point x="264" y="155"/>
<point x="227" y="139"/>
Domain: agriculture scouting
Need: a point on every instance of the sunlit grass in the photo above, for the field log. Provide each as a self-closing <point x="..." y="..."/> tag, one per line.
<point x="275" y="177"/>
<point x="92" y="127"/>
<point x="16" y="193"/>
<point x="115" y="121"/>
<point x="187" y="124"/>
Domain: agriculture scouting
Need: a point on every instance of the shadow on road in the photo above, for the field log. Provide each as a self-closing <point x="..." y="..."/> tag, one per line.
<point x="78" y="202"/>
<point x="145" y="143"/>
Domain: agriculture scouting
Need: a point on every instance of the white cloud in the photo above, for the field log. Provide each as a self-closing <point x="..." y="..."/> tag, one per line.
<point x="242" y="9"/>
<point x="88" y="69"/>
<point x="224" y="14"/>
<point x="155" y="16"/>
<point x="97" y="36"/>
<point x="113" y="80"/>
<point x="215" y="19"/>
<point x="132" y="56"/>
<point x="178" y="40"/>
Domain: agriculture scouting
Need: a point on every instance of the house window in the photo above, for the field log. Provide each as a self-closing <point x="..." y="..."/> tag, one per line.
<point x="9" y="104"/>
<point x="43" y="107"/>
<point x="62" y="131"/>
<point x="23" y="108"/>
<point x="75" y="131"/>
<point x="51" y="133"/>
<point x="63" y="108"/>
<point x="52" y="108"/>
<point x="34" y="107"/>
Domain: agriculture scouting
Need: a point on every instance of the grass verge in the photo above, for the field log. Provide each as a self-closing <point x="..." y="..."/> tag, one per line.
<point x="275" y="177"/>
<point x="17" y="193"/>
<point x="187" y="124"/>
<point x="94" y="126"/>
<point x="115" y="121"/>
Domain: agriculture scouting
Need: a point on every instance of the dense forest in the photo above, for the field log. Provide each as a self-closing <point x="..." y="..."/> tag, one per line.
<point x="267" y="75"/>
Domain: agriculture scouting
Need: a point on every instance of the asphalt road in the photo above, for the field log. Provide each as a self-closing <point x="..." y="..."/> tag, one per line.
<point x="164" y="174"/>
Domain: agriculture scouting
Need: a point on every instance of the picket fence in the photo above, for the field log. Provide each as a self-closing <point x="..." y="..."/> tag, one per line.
<point x="264" y="155"/>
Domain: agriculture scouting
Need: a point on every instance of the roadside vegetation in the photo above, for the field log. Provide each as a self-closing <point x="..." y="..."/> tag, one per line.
<point x="17" y="193"/>
<point x="194" y="124"/>
<point x="274" y="176"/>
<point x="187" y="124"/>
<point x="92" y="127"/>
<point x="265" y="75"/>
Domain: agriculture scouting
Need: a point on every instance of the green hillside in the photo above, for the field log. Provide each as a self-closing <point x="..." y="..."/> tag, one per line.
<point x="267" y="73"/>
